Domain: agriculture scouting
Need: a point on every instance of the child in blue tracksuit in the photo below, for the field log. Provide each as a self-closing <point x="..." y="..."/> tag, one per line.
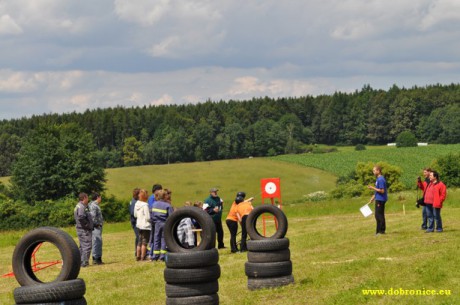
<point x="161" y="210"/>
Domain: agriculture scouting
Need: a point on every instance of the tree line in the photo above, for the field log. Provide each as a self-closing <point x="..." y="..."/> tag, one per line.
<point x="263" y="126"/>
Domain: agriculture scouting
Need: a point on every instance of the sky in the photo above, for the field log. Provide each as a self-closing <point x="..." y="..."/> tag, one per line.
<point x="60" y="56"/>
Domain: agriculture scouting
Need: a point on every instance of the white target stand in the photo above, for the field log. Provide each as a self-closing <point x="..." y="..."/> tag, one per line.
<point x="271" y="189"/>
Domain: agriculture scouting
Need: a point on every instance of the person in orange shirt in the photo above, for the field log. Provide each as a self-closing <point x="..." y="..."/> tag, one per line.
<point x="232" y="224"/>
<point x="242" y="211"/>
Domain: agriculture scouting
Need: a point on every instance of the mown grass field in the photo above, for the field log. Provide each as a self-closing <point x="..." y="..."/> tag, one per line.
<point x="335" y="256"/>
<point x="410" y="159"/>
<point x="192" y="181"/>
<point x="335" y="253"/>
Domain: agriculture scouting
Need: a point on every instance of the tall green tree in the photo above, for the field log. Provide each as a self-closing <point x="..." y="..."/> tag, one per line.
<point x="132" y="152"/>
<point x="10" y="145"/>
<point x="56" y="161"/>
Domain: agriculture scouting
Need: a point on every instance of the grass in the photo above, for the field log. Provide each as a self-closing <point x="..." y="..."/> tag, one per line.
<point x="192" y="181"/>
<point x="334" y="252"/>
<point x="410" y="159"/>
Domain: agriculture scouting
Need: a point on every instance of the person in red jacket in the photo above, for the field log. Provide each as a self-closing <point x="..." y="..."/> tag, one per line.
<point x="435" y="194"/>
<point x="440" y="194"/>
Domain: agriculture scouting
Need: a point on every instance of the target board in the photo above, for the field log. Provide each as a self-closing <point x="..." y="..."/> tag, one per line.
<point x="270" y="188"/>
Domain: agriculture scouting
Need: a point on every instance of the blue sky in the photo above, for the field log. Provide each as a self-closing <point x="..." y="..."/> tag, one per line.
<point x="63" y="56"/>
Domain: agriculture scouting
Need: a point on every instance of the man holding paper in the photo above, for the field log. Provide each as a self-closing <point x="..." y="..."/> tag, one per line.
<point x="380" y="197"/>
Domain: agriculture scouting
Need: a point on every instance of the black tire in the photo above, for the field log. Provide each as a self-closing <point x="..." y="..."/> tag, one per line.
<point x="257" y="270"/>
<point x="191" y="290"/>
<point x="260" y="283"/>
<point x="208" y="233"/>
<point x="267" y="245"/>
<point x="81" y="301"/>
<point x="211" y="299"/>
<point x="269" y="256"/>
<point x="196" y="275"/>
<point x="22" y="255"/>
<point x="281" y="218"/>
<point x="50" y="292"/>
<point x="192" y="259"/>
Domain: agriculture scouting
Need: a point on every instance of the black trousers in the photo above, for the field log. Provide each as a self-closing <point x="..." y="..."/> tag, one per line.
<point x="380" y="216"/>
<point x="244" y="234"/>
<point x="220" y="233"/>
<point x="233" y="228"/>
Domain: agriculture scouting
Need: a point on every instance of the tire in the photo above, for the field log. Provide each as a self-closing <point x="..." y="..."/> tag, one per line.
<point x="196" y="275"/>
<point x="191" y="290"/>
<point x="208" y="235"/>
<point x="192" y="259"/>
<point x="267" y="245"/>
<point x="50" y="292"/>
<point x="269" y="257"/>
<point x="22" y="255"/>
<point x="281" y="218"/>
<point x="81" y="301"/>
<point x="260" y="283"/>
<point x="257" y="270"/>
<point x="211" y="299"/>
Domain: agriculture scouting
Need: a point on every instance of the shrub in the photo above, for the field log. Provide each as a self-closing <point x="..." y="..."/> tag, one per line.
<point x="20" y="214"/>
<point x="392" y="173"/>
<point x="359" y="147"/>
<point x="448" y="167"/>
<point x="406" y="139"/>
<point x="348" y="190"/>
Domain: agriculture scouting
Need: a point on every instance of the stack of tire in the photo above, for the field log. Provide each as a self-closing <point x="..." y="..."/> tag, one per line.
<point x="191" y="275"/>
<point x="269" y="258"/>
<point x="66" y="289"/>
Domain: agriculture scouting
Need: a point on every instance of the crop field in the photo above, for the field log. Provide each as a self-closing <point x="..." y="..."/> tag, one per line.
<point x="411" y="159"/>
<point x="334" y="252"/>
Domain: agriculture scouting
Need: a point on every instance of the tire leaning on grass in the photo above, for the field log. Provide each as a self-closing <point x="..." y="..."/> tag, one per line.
<point x="191" y="289"/>
<point x="22" y="255"/>
<point x="195" y="275"/>
<point x="262" y="270"/>
<point x="192" y="259"/>
<point x="269" y="257"/>
<point x="50" y="292"/>
<point x="211" y="299"/>
<point x="269" y="282"/>
<point x="267" y="245"/>
<point x="208" y="233"/>
<point x="281" y="219"/>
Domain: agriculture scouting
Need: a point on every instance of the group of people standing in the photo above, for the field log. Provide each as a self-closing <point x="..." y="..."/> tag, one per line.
<point x="149" y="215"/>
<point x="89" y="222"/>
<point x="434" y="194"/>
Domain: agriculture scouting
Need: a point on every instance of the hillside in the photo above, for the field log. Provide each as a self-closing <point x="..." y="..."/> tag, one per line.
<point x="192" y="181"/>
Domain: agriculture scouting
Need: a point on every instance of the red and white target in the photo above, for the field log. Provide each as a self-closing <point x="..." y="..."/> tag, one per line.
<point x="270" y="187"/>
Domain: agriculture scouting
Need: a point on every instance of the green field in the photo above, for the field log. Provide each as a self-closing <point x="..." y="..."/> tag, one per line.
<point x="334" y="251"/>
<point x="335" y="256"/>
<point x="192" y="181"/>
<point x="410" y="159"/>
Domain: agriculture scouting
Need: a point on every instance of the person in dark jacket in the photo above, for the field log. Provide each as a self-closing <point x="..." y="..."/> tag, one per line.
<point x="161" y="210"/>
<point x="423" y="185"/>
<point x="98" y="221"/>
<point x="214" y="205"/>
<point x="84" y="225"/>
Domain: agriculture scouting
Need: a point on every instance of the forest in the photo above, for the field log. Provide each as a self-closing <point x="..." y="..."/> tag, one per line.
<point x="264" y="126"/>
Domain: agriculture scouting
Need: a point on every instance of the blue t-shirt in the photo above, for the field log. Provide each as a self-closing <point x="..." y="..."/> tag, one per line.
<point x="381" y="183"/>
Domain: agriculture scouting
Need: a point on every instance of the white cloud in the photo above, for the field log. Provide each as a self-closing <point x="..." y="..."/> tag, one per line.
<point x="165" y="99"/>
<point x="9" y="26"/>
